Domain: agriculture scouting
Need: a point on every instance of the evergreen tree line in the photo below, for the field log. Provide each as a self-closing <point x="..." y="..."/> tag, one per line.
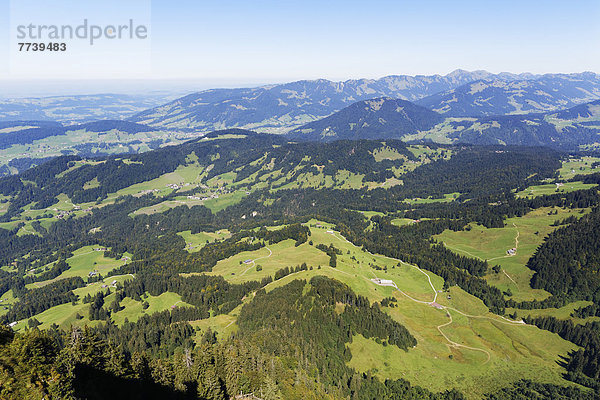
<point x="35" y="301"/>
<point x="567" y="263"/>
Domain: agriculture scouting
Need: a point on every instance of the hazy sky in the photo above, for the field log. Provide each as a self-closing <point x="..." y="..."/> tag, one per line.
<point x="233" y="42"/>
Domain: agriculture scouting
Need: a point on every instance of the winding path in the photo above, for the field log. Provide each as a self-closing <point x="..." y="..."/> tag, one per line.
<point x="511" y="279"/>
<point x="458" y="345"/>
<point x="117" y="276"/>
<point x="466" y="252"/>
<point x="254" y="261"/>
<point x="447" y="309"/>
<point x="229" y="324"/>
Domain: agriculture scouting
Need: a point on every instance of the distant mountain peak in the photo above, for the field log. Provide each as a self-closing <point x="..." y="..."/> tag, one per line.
<point x="462" y="72"/>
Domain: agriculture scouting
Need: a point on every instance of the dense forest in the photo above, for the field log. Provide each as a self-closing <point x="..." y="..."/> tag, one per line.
<point x="568" y="263"/>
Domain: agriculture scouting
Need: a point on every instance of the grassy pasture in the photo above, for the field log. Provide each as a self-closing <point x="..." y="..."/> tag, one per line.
<point x="167" y="205"/>
<point x="369" y="214"/>
<point x="402" y="221"/>
<point x="560" y="313"/>
<point x="133" y="309"/>
<point x="65" y="315"/>
<point x="196" y="241"/>
<point x="223" y="324"/>
<point x="281" y="255"/>
<point x="582" y="165"/>
<point x="4" y="207"/>
<point x="387" y="153"/>
<point x="224" y="201"/>
<point x="448" y="197"/>
<point x="84" y="261"/>
<point x="5" y="301"/>
<point x="189" y="174"/>
<point x="551" y="188"/>
<point x="492" y="245"/>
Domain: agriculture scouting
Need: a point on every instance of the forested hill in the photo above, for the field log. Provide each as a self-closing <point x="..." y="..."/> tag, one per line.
<point x="252" y="160"/>
<point x="572" y="129"/>
<point x="29" y="134"/>
<point x="461" y="107"/>
<point x="587" y="110"/>
<point x="568" y="263"/>
<point x="382" y="118"/>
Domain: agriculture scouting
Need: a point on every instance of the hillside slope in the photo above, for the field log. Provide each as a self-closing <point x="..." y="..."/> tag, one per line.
<point x="27" y="143"/>
<point x="573" y="129"/>
<point x="279" y="108"/>
<point x="382" y="118"/>
<point x="485" y="97"/>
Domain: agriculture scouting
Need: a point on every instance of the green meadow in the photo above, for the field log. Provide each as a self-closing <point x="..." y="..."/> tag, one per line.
<point x="553" y="188"/>
<point x="224" y="200"/>
<point x="524" y="233"/>
<point x="65" y="315"/>
<point x="402" y="221"/>
<point x="578" y="166"/>
<point x="167" y="205"/>
<point x="195" y="241"/>
<point x="560" y="313"/>
<point x="84" y="261"/>
<point x="243" y="266"/>
<point x="133" y="309"/>
<point x="5" y="301"/>
<point x="448" y="197"/>
<point x="224" y="325"/>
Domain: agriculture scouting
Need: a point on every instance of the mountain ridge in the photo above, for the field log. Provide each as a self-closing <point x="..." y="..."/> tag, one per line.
<point x="484" y="97"/>
<point x="281" y="107"/>
<point x="572" y="129"/>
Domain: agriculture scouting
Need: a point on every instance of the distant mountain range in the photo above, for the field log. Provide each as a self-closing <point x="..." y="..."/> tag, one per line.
<point x="485" y="97"/>
<point x="280" y="108"/>
<point x="384" y="118"/>
<point x="557" y="110"/>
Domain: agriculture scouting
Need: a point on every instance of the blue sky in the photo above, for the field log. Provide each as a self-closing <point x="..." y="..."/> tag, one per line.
<point x="239" y="42"/>
<point x="350" y="39"/>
